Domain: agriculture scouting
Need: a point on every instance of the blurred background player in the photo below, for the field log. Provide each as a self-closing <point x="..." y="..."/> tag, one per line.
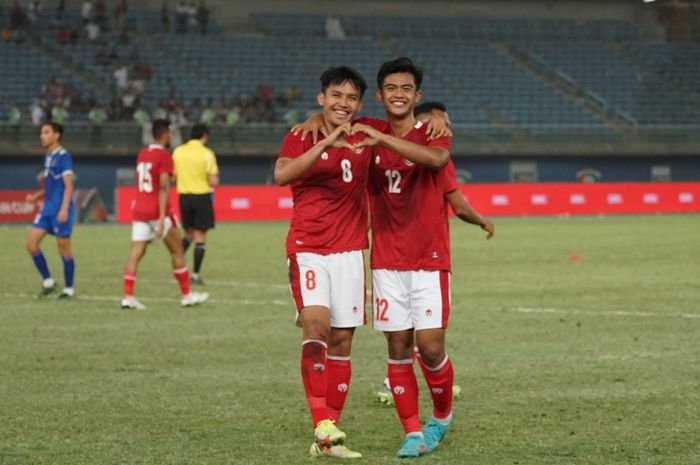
<point x="196" y="173"/>
<point x="57" y="214"/>
<point x="327" y="235"/>
<point x="462" y="210"/>
<point x="152" y="218"/>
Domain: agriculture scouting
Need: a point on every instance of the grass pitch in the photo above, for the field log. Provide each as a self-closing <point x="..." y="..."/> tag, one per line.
<point x="577" y="341"/>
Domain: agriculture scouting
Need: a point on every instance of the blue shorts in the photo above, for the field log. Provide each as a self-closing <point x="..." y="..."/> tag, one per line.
<point x="50" y="224"/>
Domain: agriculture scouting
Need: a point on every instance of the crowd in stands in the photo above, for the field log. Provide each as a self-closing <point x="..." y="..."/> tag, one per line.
<point x="62" y="103"/>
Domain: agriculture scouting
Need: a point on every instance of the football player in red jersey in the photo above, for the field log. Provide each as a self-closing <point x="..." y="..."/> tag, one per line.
<point x="327" y="236"/>
<point x="460" y="207"/>
<point x="153" y="218"/>
<point x="410" y="257"/>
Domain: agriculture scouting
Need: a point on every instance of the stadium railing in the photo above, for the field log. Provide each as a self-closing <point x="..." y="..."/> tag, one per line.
<point x="125" y="139"/>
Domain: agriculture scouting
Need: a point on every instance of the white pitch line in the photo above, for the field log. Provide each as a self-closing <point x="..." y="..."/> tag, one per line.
<point x="112" y="298"/>
<point x="605" y="312"/>
<point x="215" y="282"/>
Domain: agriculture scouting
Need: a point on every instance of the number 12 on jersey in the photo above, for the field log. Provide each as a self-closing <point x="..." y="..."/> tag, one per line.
<point x="380" y="308"/>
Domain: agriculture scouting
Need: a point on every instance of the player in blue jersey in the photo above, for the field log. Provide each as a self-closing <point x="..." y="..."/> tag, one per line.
<point x="57" y="215"/>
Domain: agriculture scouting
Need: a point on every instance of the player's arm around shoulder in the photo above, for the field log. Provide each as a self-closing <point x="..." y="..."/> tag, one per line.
<point x="293" y="161"/>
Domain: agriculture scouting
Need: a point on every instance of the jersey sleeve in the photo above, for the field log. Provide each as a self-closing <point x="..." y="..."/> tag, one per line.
<point x="378" y="124"/>
<point x="292" y="146"/>
<point x="449" y="178"/>
<point x="166" y="164"/>
<point x="442" y="142"/>
<point x="212" y="165"/>
<point x="66" y="164"/>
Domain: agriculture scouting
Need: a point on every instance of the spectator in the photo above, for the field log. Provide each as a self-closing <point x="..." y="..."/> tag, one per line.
<point x="121" y="76"/>
<point x="92" y="31"/>
<point x="181" y="17"/>
<point x="334" y="30"/>
<point x="16" y="16"/>
<point x="100" y="12"/>
<point x="165" y="16"/>
<point x="6" y="34"/>
<point x="141" y="116"/>
<point x="208" y="115"/>
<point x="202" y="17"/>
<point x="86" y="11"/>
<point x="62" y="35"/>
<point x="33" y="12"/>
<point x="97" y="116"/>
<point x="14" y="116"/>
<point x="38" y="113"/>
<point x="59" y="114"/>
<point x="233" y="116"/>
<point x="120" y="11"/>
<point x="192" y="16"/>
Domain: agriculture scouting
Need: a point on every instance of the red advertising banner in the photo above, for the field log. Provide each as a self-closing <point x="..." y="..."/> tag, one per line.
<point x="254" y="203"/>
<point x="14" y="209"/>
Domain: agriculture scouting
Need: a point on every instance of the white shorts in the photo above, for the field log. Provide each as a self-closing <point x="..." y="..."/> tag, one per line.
<point x="335" y="281"/>
<point x="410" y="299"/>
<point x="146" y="230"/>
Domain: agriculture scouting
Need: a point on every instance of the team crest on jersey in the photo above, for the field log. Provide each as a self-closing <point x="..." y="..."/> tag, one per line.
<point x="435" y="255"/>
<point x="324" y="156"/>
<point x="376" y="160"/>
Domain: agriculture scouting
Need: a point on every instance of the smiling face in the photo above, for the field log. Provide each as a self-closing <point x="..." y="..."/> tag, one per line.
<point x="399" y="94"/>
<point x="340" y="103"/>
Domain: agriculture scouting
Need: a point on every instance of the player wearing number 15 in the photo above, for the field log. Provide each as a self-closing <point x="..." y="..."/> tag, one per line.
<point x="324" y="248"/>
<point x="152" y="218"/>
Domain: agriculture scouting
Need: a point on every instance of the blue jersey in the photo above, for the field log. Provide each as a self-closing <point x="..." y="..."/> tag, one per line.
<point x="56" y="165"/>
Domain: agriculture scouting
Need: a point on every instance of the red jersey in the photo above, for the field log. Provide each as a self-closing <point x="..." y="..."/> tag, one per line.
<point x="409" y="211"/>
<point x="151" y="162"/>
<point x="330" y="199"/>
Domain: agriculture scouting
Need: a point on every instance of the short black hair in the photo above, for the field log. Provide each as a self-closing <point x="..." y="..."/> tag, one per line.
<point x="199" y="131"/>
<point x="339" y="74"/>
<point x="427" y="107"/>
<point x="55" y="127"/>
<point x="159" y="127"/>
<point x="400" y="65"/>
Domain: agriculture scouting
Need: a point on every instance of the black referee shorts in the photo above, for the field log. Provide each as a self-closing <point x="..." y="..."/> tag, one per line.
<point x="197" y="211"/>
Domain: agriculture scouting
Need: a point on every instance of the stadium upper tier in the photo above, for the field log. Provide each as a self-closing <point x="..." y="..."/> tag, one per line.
<point x="501" y="75"/>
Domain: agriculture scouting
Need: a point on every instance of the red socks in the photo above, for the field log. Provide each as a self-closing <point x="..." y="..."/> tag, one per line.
<point x="339" y="370"/>
<point x="183" y="279"/>
<point x="313" y="374"/>
<point x="129" y="281"/>
<point x="404" y="387"/>
<point x="439" y="380"/>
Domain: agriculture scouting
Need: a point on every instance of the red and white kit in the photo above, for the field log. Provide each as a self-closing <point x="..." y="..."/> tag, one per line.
<point x="329" y="231"/>
<point x="410" y="257"/>
<point x="151" y="162"/>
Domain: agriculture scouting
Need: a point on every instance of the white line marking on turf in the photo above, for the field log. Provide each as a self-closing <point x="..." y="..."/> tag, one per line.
<point x="605" y="312"/>
<point x="112" y="298"/>
<point x="214" y="282"/>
